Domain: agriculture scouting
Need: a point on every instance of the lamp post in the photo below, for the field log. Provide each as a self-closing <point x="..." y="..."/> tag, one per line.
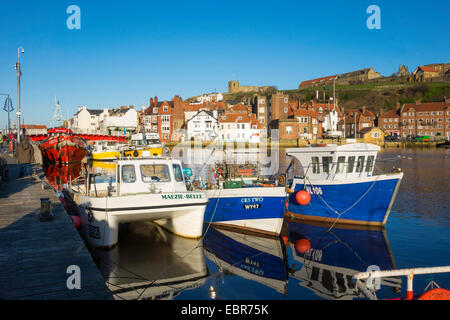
<point x="19" y="73"/>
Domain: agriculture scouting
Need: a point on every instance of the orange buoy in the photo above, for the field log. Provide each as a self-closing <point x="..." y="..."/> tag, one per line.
<point x="285" y="239"/>
<point x="76" y="221"/>
<point x="302" y="245"/>
<point x="436" y="294"/>
<point x="303" y="197"/>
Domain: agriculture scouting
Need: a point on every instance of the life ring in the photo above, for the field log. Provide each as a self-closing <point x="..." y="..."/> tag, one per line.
<point x="196" y="184"/>
<point x="135" y="153"/>
<point x="436" y="294"/>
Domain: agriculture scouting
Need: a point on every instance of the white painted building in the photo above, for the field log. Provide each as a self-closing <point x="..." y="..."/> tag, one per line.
<point x="89" y="120"/>
<point x="211" y="97"/>
<point x="124" y="118"/>
<point x="203" y="126"/>
<point x="238" y="127"/>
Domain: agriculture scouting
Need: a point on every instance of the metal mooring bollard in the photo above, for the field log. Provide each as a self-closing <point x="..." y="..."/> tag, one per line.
<point x="46" y="214"/>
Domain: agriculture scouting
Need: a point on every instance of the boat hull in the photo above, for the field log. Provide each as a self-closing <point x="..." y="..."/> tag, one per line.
<point x="258" y="209"/>
<point x="133" y="153"/>
<point x="101" y="216"/>
<point x="362" y="201"/>
<point x="63" y="149"/>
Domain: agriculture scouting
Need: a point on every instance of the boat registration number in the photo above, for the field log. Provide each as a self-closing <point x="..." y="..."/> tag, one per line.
<point x="314" y="190"/>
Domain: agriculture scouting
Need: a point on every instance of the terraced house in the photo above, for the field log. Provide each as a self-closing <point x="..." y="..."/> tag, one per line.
<point x="429" y="119"/>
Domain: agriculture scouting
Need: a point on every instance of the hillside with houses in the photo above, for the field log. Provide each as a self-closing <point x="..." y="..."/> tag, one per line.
<point x="351" y="105"/>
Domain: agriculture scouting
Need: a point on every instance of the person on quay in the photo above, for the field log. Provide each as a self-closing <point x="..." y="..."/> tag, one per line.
<point x="2" y="140"/>
<point x="25" y="156"/>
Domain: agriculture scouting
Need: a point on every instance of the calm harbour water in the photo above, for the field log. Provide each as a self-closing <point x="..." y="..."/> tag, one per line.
<point x="151" y="263"/>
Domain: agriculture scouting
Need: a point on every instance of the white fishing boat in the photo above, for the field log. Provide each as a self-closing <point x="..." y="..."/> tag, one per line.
<point x="142" y="189"/>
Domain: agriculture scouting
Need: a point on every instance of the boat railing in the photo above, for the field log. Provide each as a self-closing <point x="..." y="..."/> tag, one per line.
<point x="313" y="170"/>
<point x="372" y="276"/>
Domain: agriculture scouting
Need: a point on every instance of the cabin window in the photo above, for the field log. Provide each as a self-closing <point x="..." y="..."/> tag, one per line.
<point x="370" y="162"/>
<point x="351" y="164"/>
<point x="177" y="172"/>
<point x="128" y="174"/>
<point x="155" y="173"/>
<point x="340" y="165"/>
<point x="315" y="164"/>
<point x="360" y="164"/>
<point x="327" y="162"/>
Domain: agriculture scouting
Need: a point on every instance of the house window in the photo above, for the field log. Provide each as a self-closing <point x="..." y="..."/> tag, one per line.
<point x="289" y="130"/>
<point x="165" y="108"/>
<point x="285" y="110"/>
<point x="377" y="134"/>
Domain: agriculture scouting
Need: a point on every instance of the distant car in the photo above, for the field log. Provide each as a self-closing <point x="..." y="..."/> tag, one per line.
<point x="392" y="138"/>
<point x="410" y="137"/>
<point x="423" y="138"/>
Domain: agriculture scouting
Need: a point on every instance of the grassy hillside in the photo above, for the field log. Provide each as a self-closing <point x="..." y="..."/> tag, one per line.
<point x="378" y="95"/>
<point x="373" y="95"/>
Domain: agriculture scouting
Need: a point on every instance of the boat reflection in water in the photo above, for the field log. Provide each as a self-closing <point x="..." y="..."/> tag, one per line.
<point x="59" y="174"/>
<point x="253" y="257"/>
<point x="325" y="260"/>
<point x="151" y="263"/>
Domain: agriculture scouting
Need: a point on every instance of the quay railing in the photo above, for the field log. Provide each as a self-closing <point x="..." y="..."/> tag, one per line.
<point x="409" y="273"/>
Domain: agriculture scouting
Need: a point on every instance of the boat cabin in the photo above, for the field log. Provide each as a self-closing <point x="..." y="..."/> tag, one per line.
<point x="333" y="162"/>
<point x="149" y="139"/>
<point x="137" y="175"/>
<point x="59" y="131"/>
<point x="154" y="175"/>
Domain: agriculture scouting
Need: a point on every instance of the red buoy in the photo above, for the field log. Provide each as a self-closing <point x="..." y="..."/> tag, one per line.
<point x="285" y="239"/>
<point x="302" y="245"/>
<point x="76" y="221"/>
<point x="436" y="294"/>
<point x="303" y="197"/>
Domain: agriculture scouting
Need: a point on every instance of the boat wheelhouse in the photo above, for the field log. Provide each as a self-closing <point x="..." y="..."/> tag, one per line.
<point x="342" y="184"/>
<point x="142" y="189"/>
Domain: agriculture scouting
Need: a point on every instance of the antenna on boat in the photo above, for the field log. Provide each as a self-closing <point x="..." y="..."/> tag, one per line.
<point x="57" y="118"/>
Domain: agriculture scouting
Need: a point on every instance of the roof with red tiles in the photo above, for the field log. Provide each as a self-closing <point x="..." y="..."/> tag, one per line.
<point x="427" y="69"/>
<point x="317" y="80"/>
<point x="426" y="106"/>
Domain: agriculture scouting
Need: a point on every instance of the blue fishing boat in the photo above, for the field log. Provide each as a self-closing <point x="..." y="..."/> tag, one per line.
<point x="253" y="257"/>
<point x="242" y="201"/>
<point x="325" y="260"/>
<point x="341" y="184"/>
<point x="258" y="209"/>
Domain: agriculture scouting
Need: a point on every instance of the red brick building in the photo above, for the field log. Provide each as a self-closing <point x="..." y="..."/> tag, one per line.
<point x="389" y="122"/>
<point x="429" y="119"/>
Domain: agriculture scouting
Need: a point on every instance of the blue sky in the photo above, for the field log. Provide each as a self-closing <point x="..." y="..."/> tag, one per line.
<point x="129" y="51"/>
